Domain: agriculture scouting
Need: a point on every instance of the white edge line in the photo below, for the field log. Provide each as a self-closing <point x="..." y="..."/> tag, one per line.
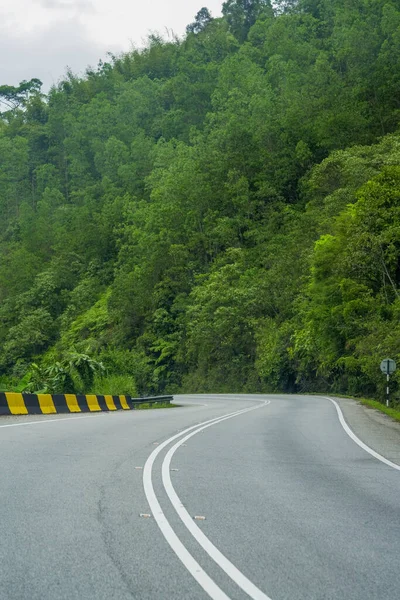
<point x="357" y="440"/>
<point x="204" y="580"/>
<point x="75" y="416"/>
<point x="220" y="559"/>
<point x="40" y="421"/>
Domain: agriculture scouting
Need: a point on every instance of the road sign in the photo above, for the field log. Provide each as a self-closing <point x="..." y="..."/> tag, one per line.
<point x="388" y="366"/>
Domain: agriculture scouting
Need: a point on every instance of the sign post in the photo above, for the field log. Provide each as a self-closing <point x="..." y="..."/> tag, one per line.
<point x="388" y="366"/>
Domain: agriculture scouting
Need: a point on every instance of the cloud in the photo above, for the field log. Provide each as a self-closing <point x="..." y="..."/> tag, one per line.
<point x="81" y="6"/>
<point x="40" y="38"/>
<point x="45" y="54"/>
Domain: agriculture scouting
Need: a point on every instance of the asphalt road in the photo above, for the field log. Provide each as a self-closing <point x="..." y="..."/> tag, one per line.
<point x="294" y="509"/>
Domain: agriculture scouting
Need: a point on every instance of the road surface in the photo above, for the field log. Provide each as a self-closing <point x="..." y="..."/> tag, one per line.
<point x="288" y="505"/>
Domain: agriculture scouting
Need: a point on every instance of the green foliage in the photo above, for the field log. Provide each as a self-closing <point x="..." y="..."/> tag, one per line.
<point x="13" y="97"/>
<point x="241" y="15"/>
<point x="75" y="373"/>
<point x="28" y="338"/>
<point x="114" y="385"/>
<point x="213" y="213"/>
<point x="349" y="313"/>
<point x="202" y="19"/>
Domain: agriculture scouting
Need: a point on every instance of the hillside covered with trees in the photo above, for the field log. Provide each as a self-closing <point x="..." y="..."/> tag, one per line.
<point x="214" y="213"/>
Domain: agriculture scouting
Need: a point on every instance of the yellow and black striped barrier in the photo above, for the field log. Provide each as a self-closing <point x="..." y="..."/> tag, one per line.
<point x="46" y="404"/>
<point x="12" y="403"/>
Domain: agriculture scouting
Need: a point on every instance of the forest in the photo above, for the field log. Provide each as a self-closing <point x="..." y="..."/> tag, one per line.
<point x="213" y="213"/>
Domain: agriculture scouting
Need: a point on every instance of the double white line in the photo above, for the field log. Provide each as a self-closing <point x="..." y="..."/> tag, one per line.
<point x="204" y="580"/>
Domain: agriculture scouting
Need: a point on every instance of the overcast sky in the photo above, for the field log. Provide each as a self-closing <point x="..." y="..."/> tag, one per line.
<point x="40" y="38"/>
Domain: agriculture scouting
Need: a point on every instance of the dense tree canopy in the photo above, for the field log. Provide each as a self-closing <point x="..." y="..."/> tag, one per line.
<point x="217" y="213"/>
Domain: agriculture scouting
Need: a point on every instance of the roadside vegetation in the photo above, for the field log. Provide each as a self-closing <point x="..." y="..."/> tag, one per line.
<point x="394" y="413"/>
<point x="146" y="406"/>
<point x="215" y="213"/>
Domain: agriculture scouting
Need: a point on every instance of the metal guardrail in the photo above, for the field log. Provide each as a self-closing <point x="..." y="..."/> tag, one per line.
<point x="151" y="400"/>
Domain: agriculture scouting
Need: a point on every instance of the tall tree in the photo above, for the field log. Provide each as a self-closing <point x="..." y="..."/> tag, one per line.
<point x="14" y="97"/>
<point x="202" y="19"/>
<point x="242" y="14"/>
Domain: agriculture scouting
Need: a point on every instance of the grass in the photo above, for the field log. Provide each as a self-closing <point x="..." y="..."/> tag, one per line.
<point x="147" y="406"/>
<point x="394" y="413"/>
<point x="114" y="385"/>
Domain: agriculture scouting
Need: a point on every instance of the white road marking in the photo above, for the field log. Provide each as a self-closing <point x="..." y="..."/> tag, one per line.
<point x="220" y="559"/>
<point x="204" y="580"/>
<point x="357" y="440"/>
<point x="40" y="421"/>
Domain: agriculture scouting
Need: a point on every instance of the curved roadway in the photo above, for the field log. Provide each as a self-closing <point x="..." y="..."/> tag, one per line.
<point x="288" y="505"/>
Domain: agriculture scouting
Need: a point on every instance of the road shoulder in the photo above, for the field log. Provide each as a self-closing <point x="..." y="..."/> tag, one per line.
<point x="373" y="427"/>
